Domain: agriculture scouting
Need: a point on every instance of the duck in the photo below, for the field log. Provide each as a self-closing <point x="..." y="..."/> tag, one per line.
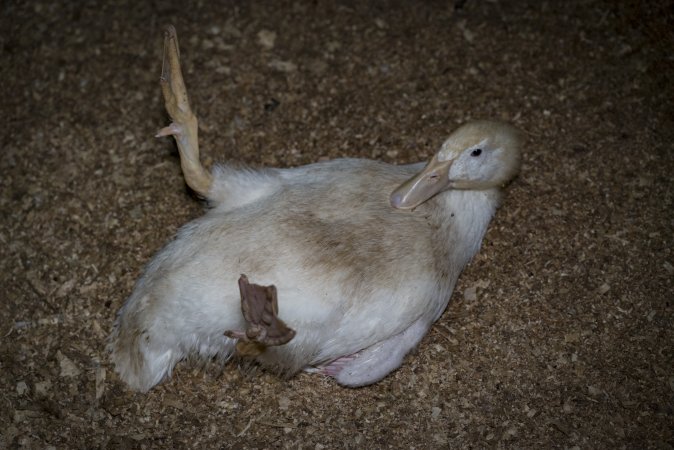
<point x="362" y="255"/>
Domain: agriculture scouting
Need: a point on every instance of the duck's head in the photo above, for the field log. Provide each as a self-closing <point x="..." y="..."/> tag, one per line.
<point x="478" y="155"/>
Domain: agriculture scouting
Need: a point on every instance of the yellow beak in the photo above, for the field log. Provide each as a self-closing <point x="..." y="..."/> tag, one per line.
<point x="413" y="192"/>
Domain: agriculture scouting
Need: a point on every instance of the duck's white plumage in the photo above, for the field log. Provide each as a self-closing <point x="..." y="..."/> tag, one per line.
<point x="360" y="281"/>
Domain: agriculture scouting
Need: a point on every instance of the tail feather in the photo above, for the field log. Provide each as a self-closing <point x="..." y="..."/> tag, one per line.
<point x="144" y="348"/>
<point x="142" y="367"/>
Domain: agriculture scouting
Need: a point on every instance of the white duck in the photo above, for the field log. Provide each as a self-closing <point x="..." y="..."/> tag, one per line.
<point x="364" y="254"/>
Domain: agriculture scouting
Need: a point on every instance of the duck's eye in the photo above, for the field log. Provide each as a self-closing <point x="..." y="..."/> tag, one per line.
<point x="476" y="152"/>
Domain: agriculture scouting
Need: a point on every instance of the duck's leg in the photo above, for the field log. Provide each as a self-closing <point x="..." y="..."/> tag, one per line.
<point x="184" y="126"/>
<point x="374" y="363"/>
<point x="226" y="186"/>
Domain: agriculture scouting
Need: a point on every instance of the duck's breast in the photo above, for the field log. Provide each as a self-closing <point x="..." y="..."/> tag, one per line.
<point x="350" y="270"/>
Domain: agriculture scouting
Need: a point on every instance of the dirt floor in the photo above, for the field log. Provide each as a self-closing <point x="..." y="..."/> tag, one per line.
<point x="569" y="340"/>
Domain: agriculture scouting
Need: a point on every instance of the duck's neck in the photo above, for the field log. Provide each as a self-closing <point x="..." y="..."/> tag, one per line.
<point x="462" y="218"/>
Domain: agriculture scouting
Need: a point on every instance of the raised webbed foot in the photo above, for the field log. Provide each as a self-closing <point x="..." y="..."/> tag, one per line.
<point x="184" y="127"/>
<point x="259" y="305"/>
